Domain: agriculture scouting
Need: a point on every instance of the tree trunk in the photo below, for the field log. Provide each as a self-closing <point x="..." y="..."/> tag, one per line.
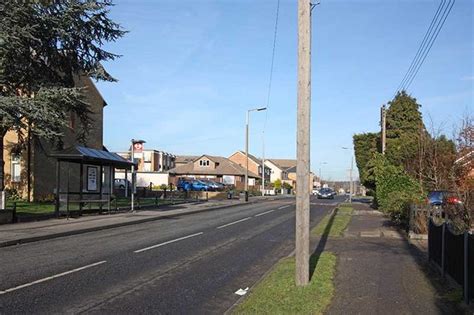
<point x="2" y="162"/>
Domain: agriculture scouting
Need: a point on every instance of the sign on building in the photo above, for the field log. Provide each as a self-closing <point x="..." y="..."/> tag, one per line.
<point x="228" y="180"/>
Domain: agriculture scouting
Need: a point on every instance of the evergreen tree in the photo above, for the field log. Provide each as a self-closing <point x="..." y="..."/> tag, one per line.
<point x="365" y="146"/>
<point x="404" y="128"/>
<point x="44" y="46"/>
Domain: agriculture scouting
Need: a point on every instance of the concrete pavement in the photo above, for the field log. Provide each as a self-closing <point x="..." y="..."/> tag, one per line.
<point x="380" y="272"/>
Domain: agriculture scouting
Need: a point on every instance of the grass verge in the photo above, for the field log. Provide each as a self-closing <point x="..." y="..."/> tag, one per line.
<point x="334" y="224"/>
<point x="31" y="207"/>
<point x="278" y="294"/>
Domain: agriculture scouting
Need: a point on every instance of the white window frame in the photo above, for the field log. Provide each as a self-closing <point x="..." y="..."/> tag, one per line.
<point x="15" y="162"/>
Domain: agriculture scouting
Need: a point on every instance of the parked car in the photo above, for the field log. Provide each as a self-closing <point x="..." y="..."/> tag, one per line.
<point x="315" y="192"/>
<point x="439" y="198"/>
<point x="221" y="186"/>
<point x="198" y="185"/>
<point x="184" y="185"/>
<point x="212" y="185"/>
<point x="326" y="193"/>
<point x="122" y="183"/>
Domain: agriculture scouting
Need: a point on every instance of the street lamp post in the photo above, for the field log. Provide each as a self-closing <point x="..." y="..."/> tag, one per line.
<point x="139" y="144"/>
<point x="320" y="173"/>
<point x="247" y="149"/>
<point x="350" y="175"/>
<point x="263" y="163"/>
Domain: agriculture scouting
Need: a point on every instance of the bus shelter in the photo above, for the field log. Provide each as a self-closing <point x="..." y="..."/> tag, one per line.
<point x="85" y="178"/>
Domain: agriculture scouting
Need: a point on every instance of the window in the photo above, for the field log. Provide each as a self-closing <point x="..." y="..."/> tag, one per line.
<point x="147" y="166"/>
<point x="204" y="163"/>
<point x="16" y="168"/>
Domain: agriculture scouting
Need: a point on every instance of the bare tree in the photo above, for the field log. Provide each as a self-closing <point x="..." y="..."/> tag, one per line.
<point x="463" y="175"/>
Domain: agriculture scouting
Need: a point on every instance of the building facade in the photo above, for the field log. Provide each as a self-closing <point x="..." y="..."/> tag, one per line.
<point x="255" y="165"/>
<point x="30" y="172"/>
<point x="217" y="168"/>
<point x="153" y="167"/>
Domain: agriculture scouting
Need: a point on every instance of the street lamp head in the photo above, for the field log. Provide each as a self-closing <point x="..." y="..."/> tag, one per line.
<point x="257" y="109"/>
<point x="345" y="148"/>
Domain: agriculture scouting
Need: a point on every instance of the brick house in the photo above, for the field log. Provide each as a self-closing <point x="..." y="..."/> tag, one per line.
<point x="216" y="168"/>
<point x="31" y="173"/>
<point x="255" y="165"/>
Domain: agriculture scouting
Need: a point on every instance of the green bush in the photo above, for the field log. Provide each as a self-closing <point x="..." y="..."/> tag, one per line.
<point x="395" y="190"/>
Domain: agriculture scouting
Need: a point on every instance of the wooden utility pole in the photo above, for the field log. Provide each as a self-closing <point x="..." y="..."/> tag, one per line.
<point x="303" y="141"/>
<point x="383" y="123"/>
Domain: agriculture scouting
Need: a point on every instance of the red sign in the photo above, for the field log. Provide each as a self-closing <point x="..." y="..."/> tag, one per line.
<point x="138" y="147"/>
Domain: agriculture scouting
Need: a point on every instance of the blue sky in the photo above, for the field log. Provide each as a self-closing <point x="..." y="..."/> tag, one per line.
<point x="191" y="69"/>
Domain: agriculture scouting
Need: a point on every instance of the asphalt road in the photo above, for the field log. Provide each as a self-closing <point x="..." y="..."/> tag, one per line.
<point x="188" y="264"/>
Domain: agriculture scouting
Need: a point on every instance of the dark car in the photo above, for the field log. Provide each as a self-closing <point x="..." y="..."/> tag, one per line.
<point x="326" y="193"/>
<point x="439" y="198"/>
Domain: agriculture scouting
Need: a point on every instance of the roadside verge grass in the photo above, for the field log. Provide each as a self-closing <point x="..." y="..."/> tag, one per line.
<point x="334" y="224"/>
<point x="24" y="207"/>
<point x="278" y="294"/>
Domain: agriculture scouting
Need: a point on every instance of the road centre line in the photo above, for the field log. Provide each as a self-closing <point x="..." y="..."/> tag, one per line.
<point x="284" y="207"/>
<point x="257" y="215"/>
<point x="62" y="274"/>
<point x="235" y="222"/>
<point x="167" y="242"/>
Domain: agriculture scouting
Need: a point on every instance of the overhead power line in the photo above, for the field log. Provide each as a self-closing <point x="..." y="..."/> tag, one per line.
<point x="431" y="45"/>
<point x="428" y="32"/>
<point x="430" y="37"/>
<point x="275" y="30"/>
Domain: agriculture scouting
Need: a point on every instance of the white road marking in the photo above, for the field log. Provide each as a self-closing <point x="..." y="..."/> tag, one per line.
<point x="284" y="207"/>
<point x="231" y="223"/>
<point x="168" y="242"/>
<point x="257" y="215"/>
<point x="51" y="277"/>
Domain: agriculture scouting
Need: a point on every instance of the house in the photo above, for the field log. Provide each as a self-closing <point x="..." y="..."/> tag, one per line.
<point x="466" y="162"/>
<point x="217" y="168"/>
<point x="152" y="168"/>
<point x="30" y="173"/>
<point x="185" y="159"/>
<point x="291" y="178"/>
<point x="279" y="168"/>
<point x="254" y="164"/>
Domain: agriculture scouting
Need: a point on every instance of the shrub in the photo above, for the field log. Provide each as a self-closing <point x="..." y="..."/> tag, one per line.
<point x="395" y="190"/>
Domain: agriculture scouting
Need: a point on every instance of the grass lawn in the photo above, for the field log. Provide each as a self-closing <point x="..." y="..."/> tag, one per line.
<point x="31" y="207"/>
<point x="334" y="225"/>
<point x="278" y="294"/>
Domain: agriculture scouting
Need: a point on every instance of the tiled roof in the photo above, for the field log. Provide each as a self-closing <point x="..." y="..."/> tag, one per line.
<point x="224" y="167"/>
<point x="180" y="159"/>
<point x="284" y="164"/>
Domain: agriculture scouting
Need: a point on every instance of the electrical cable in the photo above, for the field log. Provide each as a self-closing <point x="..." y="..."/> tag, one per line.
<point x="430" y="37"/>
<point x="275" y="31"/>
